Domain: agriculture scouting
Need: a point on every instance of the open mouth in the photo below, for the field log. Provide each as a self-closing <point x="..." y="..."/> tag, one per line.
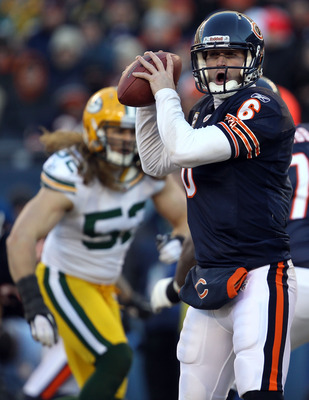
<point x="220" y="78"/>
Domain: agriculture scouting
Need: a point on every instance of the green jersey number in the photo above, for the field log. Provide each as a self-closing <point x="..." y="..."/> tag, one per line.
<point x="109" y="239"/>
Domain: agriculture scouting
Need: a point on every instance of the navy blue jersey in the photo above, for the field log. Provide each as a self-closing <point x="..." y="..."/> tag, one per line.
<point x="298" y="224"/>
<point x="238" y="209"/>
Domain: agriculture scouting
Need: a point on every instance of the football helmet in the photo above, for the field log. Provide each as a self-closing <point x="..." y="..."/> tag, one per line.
<point x="104" y="111"/>
<point x="227" y="30"/>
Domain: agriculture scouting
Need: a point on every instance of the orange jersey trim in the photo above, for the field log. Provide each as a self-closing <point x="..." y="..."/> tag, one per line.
<point x="273" y="384"/>
<point x="232" y="137"/>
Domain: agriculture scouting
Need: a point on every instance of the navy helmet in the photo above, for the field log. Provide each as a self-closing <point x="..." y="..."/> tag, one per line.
<point x="227" y="30"/>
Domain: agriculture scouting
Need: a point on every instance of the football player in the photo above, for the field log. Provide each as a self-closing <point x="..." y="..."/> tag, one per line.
<point x="165" y="292"/>
<point x="91" y="203"/>
<point x="298" y="229"/>
<point x="235" y="153"/>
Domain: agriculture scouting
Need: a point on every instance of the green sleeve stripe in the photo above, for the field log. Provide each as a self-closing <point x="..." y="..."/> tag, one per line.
<point x="57" y="184"/>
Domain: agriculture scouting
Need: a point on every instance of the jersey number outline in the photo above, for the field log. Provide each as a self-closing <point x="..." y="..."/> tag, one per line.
<point x="71" y="163"/>
<point x="300" y="197"/>
<point x="109" y="239"/>
<point x="188" y="183"/>
<point x="248" y="109"/>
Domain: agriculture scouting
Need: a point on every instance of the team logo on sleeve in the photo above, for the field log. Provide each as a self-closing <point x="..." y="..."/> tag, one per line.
<point x="206" y="118"/>
<point x="261" y="97"/>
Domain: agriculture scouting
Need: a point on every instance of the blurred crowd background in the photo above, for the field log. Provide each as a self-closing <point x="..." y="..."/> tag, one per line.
<point x="55" y="53"/>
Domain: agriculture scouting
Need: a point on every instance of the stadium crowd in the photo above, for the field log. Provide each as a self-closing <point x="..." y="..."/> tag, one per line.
<point x="55" y="53"/>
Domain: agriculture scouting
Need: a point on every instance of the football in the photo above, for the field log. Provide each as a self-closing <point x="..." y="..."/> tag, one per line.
<point x="136" y="92"/>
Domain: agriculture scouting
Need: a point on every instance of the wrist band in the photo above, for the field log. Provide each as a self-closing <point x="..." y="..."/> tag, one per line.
<point x="179" y="237"/>
<point x="176" y="286"/>
<point x="171" y="293"/>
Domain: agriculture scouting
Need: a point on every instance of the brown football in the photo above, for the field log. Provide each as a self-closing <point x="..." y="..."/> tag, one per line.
<point x="136" y="92"/>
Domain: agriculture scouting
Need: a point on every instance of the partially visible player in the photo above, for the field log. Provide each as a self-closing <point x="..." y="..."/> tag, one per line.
<point x="52" y="377"/>
<point x="298" y="229"/>
<point x="92" y="200"/>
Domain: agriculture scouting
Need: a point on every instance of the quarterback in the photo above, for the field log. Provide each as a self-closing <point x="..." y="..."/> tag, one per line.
<point x="165" y="292"/>
<point x="235" y="152"/>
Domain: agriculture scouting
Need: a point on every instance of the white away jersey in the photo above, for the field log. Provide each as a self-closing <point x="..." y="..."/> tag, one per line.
<point x="92" y="239"/>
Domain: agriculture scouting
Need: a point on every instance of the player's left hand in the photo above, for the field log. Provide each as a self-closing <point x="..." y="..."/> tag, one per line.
<point x="157" y="76"/>
<point x="164" y="294"/>
<point x="42" y="323"/>
<point x="169" y="247"/>
<point x="44" y="329"/>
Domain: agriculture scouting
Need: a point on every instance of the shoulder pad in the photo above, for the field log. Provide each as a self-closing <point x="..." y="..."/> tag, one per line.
<point x="60" y="172"/>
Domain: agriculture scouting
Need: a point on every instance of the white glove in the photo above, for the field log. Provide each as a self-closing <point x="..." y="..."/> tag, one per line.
<point x="164" y="294"/>
<point x="169" y="247"/>
<point x="42" y="324"/>
<point x="44" y="330"/>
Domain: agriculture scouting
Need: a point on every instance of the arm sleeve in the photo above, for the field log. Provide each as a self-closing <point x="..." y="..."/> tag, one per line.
<point x="177" y="144"/>
<point x="153" y="155"/>
<point x="59" y="173"/>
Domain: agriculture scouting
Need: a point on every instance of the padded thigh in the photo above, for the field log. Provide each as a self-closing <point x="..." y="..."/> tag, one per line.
<point x="212" y="358"/>
<point x="251" y="330"/>
<point x="189" y="349"/>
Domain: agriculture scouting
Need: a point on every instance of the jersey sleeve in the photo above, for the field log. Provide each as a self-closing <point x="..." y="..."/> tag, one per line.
<point x="253" y="121"/>
<point x="60" y="173"/>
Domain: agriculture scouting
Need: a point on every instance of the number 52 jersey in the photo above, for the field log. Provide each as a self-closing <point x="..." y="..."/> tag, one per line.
<point x="91" y="240"/>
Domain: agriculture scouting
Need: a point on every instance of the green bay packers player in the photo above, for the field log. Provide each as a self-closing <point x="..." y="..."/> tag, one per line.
<point x="91" y="202"/>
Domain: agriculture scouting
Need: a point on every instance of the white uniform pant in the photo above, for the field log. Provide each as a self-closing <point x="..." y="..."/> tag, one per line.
<point x="247" y="340"/>
<point x="300" y="325"/>
<point x="52" y="376"/>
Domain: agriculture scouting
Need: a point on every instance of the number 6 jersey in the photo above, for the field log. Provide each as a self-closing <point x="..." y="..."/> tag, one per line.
<point x="92" y="239"/>
<point x="238" y="209"/>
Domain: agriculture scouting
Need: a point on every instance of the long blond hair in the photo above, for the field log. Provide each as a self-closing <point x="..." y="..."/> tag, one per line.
<point x="90" y="166"/>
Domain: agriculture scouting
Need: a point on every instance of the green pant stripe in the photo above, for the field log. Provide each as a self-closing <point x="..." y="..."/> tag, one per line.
<point x="79" y="310"/>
